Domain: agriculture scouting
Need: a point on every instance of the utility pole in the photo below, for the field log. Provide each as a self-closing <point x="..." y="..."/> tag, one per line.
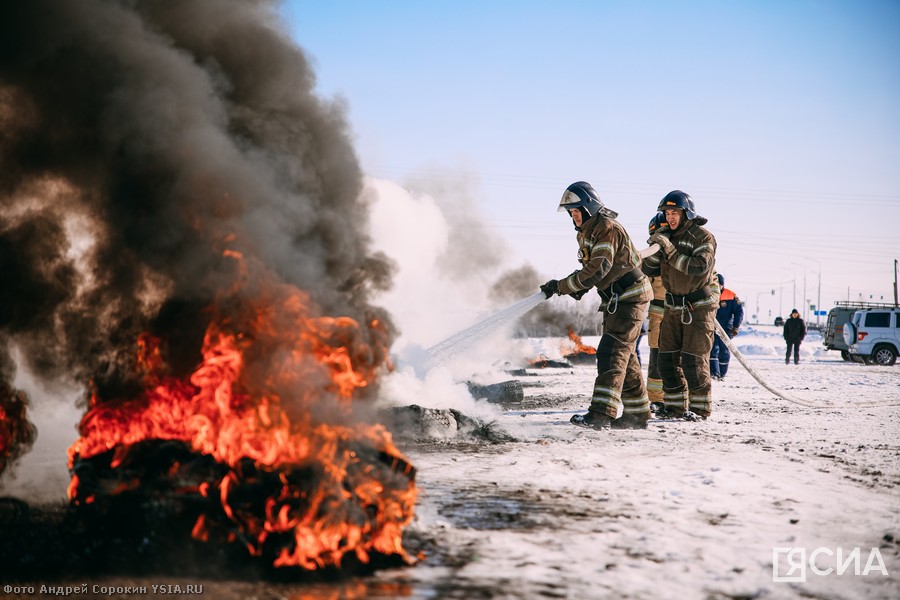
<point x="780" y="299"/>
<point x="819" y="299"/>
<point x="805" y="299"/>
<point x="804" y="311"/>
<point x="895" y="283"/>
<point x="819" y="292"/>
<point x="757" y="308"/>
<point x="767" y="292"/>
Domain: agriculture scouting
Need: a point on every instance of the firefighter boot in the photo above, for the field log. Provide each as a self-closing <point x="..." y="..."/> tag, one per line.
<point x="592" y="420"/>
<point x="631" y="421"/>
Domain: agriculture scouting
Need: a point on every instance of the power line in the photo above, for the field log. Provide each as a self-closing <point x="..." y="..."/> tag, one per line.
<point x="538" y="182"/>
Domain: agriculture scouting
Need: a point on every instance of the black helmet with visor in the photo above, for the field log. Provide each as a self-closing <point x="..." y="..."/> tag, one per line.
<point x="583" y="196"/>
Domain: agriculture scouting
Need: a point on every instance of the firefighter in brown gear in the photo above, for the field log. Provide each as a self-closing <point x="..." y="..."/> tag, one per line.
<point x="686" y="262"/>
<point x="657" y="309"/>
<point x="609" y="263"/>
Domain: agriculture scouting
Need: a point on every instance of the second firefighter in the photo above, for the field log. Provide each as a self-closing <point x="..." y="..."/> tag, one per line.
<point x="686" y="262"/>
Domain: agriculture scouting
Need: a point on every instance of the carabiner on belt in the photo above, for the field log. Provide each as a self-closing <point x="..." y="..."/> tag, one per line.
<point x="613" y="304"/>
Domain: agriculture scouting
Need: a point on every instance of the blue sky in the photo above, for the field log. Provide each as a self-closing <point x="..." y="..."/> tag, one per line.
<point x="781" y="119"/>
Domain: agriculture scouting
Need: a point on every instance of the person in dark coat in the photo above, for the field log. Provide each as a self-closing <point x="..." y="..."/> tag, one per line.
<point x="794" y="332"/>
<point x="730" y="316"/>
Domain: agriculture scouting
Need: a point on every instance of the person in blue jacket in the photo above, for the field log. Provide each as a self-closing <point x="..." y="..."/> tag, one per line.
<point x="730" y="316"/>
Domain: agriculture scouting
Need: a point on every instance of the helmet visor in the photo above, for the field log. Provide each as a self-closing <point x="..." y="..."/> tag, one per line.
<point x="569" y="201"/>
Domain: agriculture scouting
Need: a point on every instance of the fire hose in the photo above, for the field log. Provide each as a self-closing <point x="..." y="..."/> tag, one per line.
<point x="654" y="248"/>
<point x="809" y="403"/>
<point x="456" y="344"/>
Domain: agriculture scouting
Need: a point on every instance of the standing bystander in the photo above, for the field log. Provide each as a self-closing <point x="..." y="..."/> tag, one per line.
<point x="730" y="316"/>
<point x="794" y="332"/>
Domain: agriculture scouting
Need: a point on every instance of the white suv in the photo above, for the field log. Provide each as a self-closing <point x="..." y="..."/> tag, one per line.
<point x="873" y="335"/>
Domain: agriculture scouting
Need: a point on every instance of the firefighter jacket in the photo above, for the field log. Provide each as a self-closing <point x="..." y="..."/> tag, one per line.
<point x="794" y="330"/>
<point x="606" y="254"/>
<point x="691" y="269"/>
<point x="731" y="310"/>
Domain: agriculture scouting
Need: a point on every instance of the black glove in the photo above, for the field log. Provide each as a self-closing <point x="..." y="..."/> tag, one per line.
<point x="734" y="332"/>
<point x="550" y="288"/>
<point x="579" y="294"/>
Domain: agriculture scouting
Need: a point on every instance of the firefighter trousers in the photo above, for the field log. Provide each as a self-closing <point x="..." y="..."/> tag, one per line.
<point x="684" y="350"/>
<point x="619" y="386"/>
<point x="654" y="381"/>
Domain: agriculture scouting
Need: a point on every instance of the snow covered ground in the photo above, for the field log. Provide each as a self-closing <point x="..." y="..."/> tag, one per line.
<point x="680" y="510"/>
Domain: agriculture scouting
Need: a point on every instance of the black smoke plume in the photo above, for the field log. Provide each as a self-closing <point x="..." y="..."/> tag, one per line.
<point x="142" y="144"/>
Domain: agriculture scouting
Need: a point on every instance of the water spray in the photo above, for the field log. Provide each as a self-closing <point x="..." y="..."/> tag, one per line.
<point x="448" y="349"/>
<point x="451" y="347"/>
<point x="464" y="340"/>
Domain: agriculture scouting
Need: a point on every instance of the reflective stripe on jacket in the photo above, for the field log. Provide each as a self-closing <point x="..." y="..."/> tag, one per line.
<point x="606" y="253"/>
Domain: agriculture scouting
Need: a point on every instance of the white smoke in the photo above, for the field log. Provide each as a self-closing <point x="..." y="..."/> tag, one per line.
<point x="447" y="258"/>
<point x="41" y="475"/>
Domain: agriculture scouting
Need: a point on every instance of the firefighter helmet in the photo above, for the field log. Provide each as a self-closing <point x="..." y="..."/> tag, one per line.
<point x="582" y="195"/>
<point x="678" y="199"/>
<point x="655" y="223"/>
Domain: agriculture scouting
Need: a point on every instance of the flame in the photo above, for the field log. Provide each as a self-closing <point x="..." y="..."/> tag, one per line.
<point x="580" y="347"/>
<point x="540" y="362"/>
<point x="262" y="392"/>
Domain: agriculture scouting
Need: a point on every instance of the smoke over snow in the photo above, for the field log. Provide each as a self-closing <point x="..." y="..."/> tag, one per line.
<point x="453" y="271"/>
<point x="157" y="158"/>
<point x="162" y="163"/>
<point x="452" y="267"/>
<point x="553" y="318"/>
<point x="447" y="258"/>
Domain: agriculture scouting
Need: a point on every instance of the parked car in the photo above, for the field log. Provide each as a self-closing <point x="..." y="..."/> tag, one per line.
<point x="840" y="315"/>
<point x="873" y="335"/>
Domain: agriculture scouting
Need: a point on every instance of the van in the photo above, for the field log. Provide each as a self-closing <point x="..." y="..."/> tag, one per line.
<point x="873" y="335"/>
<point x="840" y="315"/>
